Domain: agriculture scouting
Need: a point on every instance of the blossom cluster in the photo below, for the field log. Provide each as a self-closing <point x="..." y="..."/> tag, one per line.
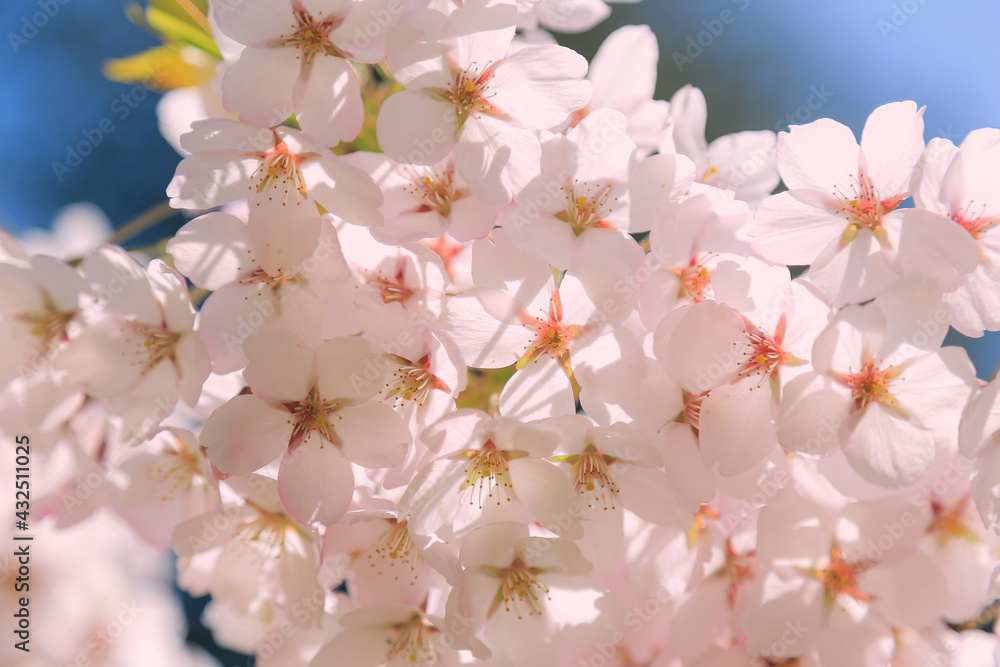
<point x="537" y="375"/>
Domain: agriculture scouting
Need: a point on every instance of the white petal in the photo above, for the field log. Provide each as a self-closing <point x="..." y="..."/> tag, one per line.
<point x="886" y="449"/>
<point x="259" y="85"/>
<point x="372" y="435"/>
<point x="315" y="482"/>
<point x="546" y="492"/>
<point x="245" y="434"/>
<point x="281" y="367"/>
<point x="416" y="128"/>
<point x="328" y="101"/>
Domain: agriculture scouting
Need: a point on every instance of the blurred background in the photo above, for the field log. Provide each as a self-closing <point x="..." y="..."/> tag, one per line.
<point x="760" y="64"/>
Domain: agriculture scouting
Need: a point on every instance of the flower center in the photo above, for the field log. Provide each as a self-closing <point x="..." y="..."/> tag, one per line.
<point x="591" y="475"/>
<point x="178" y="468"/>
<point x="518" y="586"/>
<point x="864" y="209"/>
<point x="413" y="643"/>
<point x="265" y="531"/>
<point x="469" y="93"/>
<point x="435" y="191"/>
<point x="841" y="577"/>
<point x="871" y="384"/>
<point x="552" y="337"/>
<point x="392" y="288"/>
<point x="48" y="327"/>
<point x="313" y="414"/>
<point x="396" y="547"/>
<point x="311" y="36"/>
<point x="700" y="526"/>
<point x="691" y="415"/>
<point x="411" y="381"/>
<point x="737" y="570"/>
<point x="695" y="281"/>
<point x="976" y="226"/>
<point x="586" y="205"/>
<point x="950" y="523"/>
<point x="280" y="167"/>
<point x="156" y="343"/>
<point x="488" y="468"/>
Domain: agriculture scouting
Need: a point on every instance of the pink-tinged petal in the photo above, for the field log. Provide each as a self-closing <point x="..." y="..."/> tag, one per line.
<point x="813" y="408"/>
<point x="414" y="52"/>
<point x="704" y="349"/>
<point x="485" y="326"/>
<point x="246" y="434"/>
<point x="547" y="493"/>
<point x="853" y="337"/>
<point x="343" y="190"/>
<point x="540" y="389"/>
<point x="915" y="315"/>
<point x="853" y="274"/>
<point x="494" y="544"/>
<point x="539" y="86"/>
<point x="282" y="368"/>
<point x="202" y="533"/>
<point x="822" y="155"/>
<point x="416" y="128"/>
<point x="655" y="181"/>
<point x="362" y="35"/>
<point x="349" y="369"/>
<point x="624" y="70"/>
<point x="364" y="647"/>
<point x="496" y="158"/>
<point x="171" y="292"/>
<point x="254" y="21"/>
<point x="212" y="250"/>
<point x="479" y="34"/>
<point x="328" y="101"/>
<point x="934" y="389"/>
<point x="471" y="219"/>
<point x="886" y="449"/>
<point x="968" y="178"/>
<point x="121" y="285"/>
<point x="650" y="494"/>
<point x="60" y="282"/>
<point x="797" y="602"/>
<point x="979" y="430"/>
<point x="603" y="147"/>
<point x="432" y="498"/>
<point x="785" y="230"/>
<point x="736" y="426"/>
<point x="975" y="307"/>
<point x="225" y="322"/>
<point x="891" y="144"/>
<point x="372" y="435"/>
<point x="95" y="360"/>
<point x="690" y="113"/>
<point x="544" y="236"/>
<point x="211" y="178"/>
<point x="283" y="242"/>
<point x="931" y="245"/>
<point x="899" y="600"/>
<point x="193" y="366"/>
<point x="572" y="16"/>
<point x="315" y="482"/>
<point x="793" y="528"/>
<point x="929" y="174"/>
<point x="259" y="85"/>
<point x="223" y="134"/>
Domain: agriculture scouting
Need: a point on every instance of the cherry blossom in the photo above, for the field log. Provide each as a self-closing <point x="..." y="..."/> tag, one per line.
<point x="467" y="92"/>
